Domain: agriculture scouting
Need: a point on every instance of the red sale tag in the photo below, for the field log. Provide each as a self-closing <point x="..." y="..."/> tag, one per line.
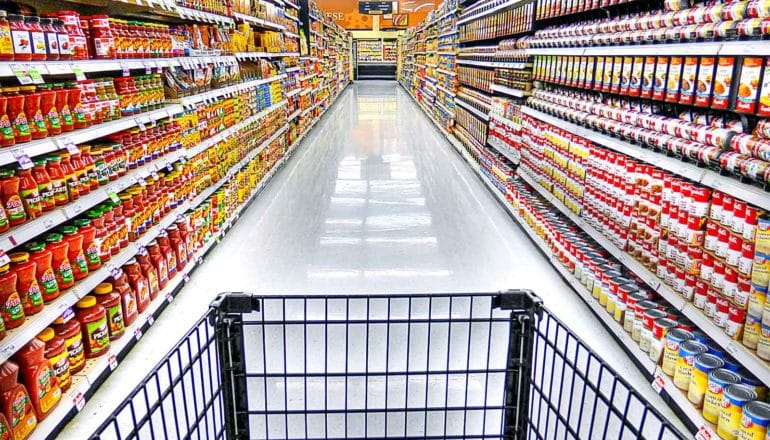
<point x="705" y="433"/>
<point x="113" y="360"/>
<point x="79" y="401"/>
<point x="658" y="383"/>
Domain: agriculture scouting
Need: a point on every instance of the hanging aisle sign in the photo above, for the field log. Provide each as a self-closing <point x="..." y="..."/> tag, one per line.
<point x="375" y="8"/>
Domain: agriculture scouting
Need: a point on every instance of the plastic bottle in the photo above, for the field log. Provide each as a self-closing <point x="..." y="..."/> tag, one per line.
<point x="73" y="341"/>
<point x="46" y="277"/>
<point x="48" y="108"/>
<point x="149" y="272"/>
<point x="58" y="183"/>
<point x="10" y="303"/>
<point x="165" y="248"/>
<point x="127" y="297"/>
<point x="6" y="42"/>
<point x="26" y="282"/>
<point x="159" y="262"/>
<point x="70" y="178"/>
<point x="76" y="105"/>
<point x="44" y="185"/>
<point x="7" y="138"/>
<point x="65" y="50"/>
<point x="15" y="402"/>
<point x="178" y="245"/>
<point x="15" y="111"/>
<point x="37" y="37"/>
<point x="56" y="353"/>
<point x="22" y="44"/>
<point x="93" y="323"/>
<point x="138" y="283"/>
<point x="12" y="202"/>
<point x="60" y="260"/>
<point x="112" y="304"/>
<point x="35" y="118"/>
<point x="63" y="107"/>
<point x="37" y="373"/>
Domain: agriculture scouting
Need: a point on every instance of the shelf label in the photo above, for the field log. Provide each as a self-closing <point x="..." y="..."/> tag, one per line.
<point x="141" y="182"/>
<point x="48" y="223"/>
<point x="4" y="258"/>
<point x="112" y="269"/>
<point x="79" y="75"/>
<point x="126" y="70"/>
<point x="113" y="196"/>
<point x="34" y="73"/>
<point x="155" y="175"/>
<point x="150" y="320"/>
<point x="113" y="360"/>
<point x="67" y="314"/>
<point x="705" y="433"/>
<point x="138" y="334"/>
<point x="65" y="143"/>
<point x="733" y="349"/>
<point x="658" y="382"/>
<point x="170" y="167"/>
<point x="140" y="124"/>
<point x="21" y="74"/>
<point x="22" y="158"/>
<point x="79" y="401"/>
<point x="169" y="298"/>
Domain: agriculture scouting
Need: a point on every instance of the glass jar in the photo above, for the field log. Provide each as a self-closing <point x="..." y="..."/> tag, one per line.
<point x="32" y="109"/>
<point x="60" y="260"/>
<point x="26" y="282"/>
<point x="15" y="111"/>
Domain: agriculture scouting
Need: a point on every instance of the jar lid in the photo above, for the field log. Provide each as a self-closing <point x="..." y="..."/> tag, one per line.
<point x="34" y="246"/>
<point x="15" y="17"/>
<point x="94" y="213"/>
<point x="81" y="222"/>
<point x="46" y="335"/>
<point x="757" y="410"/>
<point x="19" y="257"/>
<point x="69" y="230"/>
<point x="86" y="302"/>
<point x="53" y="237"/>
<point x="11" y="89"/>
<point x="27" y="88"/>
<point x="4" y="268"/>
<point x="5" y="173"/>
<point x="103" y="289"/>
<point x="32" y="19"/>
<point x="723" y="376"/>
<point x="53" y="158"/>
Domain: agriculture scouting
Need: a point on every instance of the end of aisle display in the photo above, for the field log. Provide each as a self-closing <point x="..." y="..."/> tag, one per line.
<point x="657" y="155"/>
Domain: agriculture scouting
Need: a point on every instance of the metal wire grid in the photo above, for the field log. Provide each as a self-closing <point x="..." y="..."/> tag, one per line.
<point x="430" y="367"/>
<point x="575" y="395"/>
<point x="180" y="399"/>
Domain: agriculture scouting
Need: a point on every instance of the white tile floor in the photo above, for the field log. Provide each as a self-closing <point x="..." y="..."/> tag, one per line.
<point x="375" y="200"/>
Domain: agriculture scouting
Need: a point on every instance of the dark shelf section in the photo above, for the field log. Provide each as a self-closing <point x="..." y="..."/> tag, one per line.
<point x="379" y="71"/>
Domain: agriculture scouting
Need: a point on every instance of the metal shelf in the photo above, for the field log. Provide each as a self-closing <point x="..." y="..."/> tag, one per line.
<point x="469" y="15"/>
<point x="478" y="113"/>
<point x="495" y="64"/>
<point x="516" y="93"/>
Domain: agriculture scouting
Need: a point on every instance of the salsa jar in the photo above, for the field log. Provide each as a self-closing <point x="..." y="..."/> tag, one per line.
<point x="93" y="323"/>
<point x="73" y="340"/>
<point x="58" y="182"/>
<point x="34" y="114"/>
<point x="111" y="303"/>
<point x="44" y="185"/>
<point x="12" y="203"/>
<point x="48" y="108"/>
<point x="26" y="282"/>
<point x="56" y="353"/>
<point x="10" y="303"/>
<point x="90" y="246"/>
<point x="60" y="260"/>
<point x="63" y="107"/>
<point x="46" y="278"/>
<point x="16" y="114"/>
<point x="75" y="252"/>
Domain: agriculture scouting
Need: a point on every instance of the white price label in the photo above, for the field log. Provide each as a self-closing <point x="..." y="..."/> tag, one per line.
<point x="169" y="297"/>
<point x="138" y="334"/>
<point x="126" y="70"/>
<point x="658" y="382"/>
<point x="22" y="158"/>
<point x="48" y="223"/>
<point x="150" y="320"/>
<point x="732" y="348"/>
<point x="4" y="258"/>
<point x="155" y="175"/>
<point x="21" y="74"/>
<point x="186" y="279"/>
<point x="79" y="401"/>
<point x="8" y="350"/>
<point x="140" y="124"/>
<point x="113" y="270"/>
<point x="141" y="181"/>
<point x="113" y="360"/>
<point x="705" y="433"/>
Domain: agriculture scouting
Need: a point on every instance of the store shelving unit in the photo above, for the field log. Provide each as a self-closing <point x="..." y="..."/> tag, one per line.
<point x="497" y="95"/>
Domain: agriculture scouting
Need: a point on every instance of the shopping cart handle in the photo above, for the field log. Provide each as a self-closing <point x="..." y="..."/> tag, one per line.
<point x="229" y="303"/>
<point x="520" y="300"/>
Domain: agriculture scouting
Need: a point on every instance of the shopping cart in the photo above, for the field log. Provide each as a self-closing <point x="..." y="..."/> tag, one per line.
<point x="437" y="366"/>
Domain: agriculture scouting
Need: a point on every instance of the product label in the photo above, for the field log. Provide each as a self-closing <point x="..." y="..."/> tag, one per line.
<point x="31" y="198"/>
<point x="34" y="296"/>
<point x="38" y="42"/>
<point x="14" y="208"/>
<point x="749" y="84"/>
<point x="98" y="335"/>
<point x="21" y="42"/>
<point x="648" y="77"/>
<point x="75" y="351"/>
<point x="48" y="282"/>
<point x="64" y="43"/>
<point x="52" y="116"/>
<point x="661" y="73"/>
<point x="79" y="113"/>
<point x="52" y="42"/>
<point x="65" y="272"/>
<point x="6" y="130"/>
<point x="92" y="254"/>
<point x="79" y="263"/>
<point x="61" y="368"/>
<point x="21" y="125"/>
<point x="115" y="317"/>
<point x="49" y="392"/>
<point x="46" y="194"/>
<point x="723" y="80"/>
<point x="609" y="74"/>
<point x="599" y="73"/>
<point x="674" y="79"/>
<point x="689" y="79"/>
<point x="625" y="76"/>
<point x="59" y="191"/>
<point x="6" y="48"/>
<point x="66" y="116"/>
<point x="22" y="421"/>
<point x="637" y="70"/>
<point x="12" y="309"/>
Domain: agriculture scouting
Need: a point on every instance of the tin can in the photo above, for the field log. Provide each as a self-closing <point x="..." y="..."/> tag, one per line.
<point x="660" y="329"/>
<point x="674" y="338"/>
<point x="754" y="421"/>
<point x="717" y="381"/>
<point x="751" y="330"/>
<point x="704" y="364"/>
<point x="757" y="299"/>
<point x="763" y="344"/>
<point x="748" y="379"/>
<point x="688" y="350"/>
<point x="733" y="399"/>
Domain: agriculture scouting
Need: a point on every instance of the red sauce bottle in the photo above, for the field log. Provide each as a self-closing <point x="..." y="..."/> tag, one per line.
<point x="51" y="38"/>
<point x="56" y="353"/>
<point x="90" y="247"/>
<point x="138" y="283"/>
<point x="6" y="47"/>
<point x="60" y="260"/>
<point x="6" y="433"/>
<point x="70" y="179"/>
<point x="37" y="373"/>
<point x="149" y="272"/>
<point x="48" y="108"/>
<point x="15" y="111"/>
<point x="12" y="202"/>
<point x="73" y="341"/>
<point x="35" y="118"/>
<point x="44" y="185"/>
<point x="29" y="193"/>
<point x="80" y="173"/>
<point x="168" y="253"/>
<point x="93" y="324"/>
<point x="112" y="304"/>
<point x="46" y="277"/>
<point x="127" y="297"/>
<point x="26" y="282"/>
<point x="58" y="182"/>
<point x="37" y="37"/>
<point x="158" y="260"/>
<point x="22" y="44"/>
<point x="178" y="245"/>
<point x="65" y="52"/>
<point x="15" y="402"/>
<point x="10" y="302"/>
<point x="63" y="107"/>
<point x="76" y="105"/>
<point x="7" y="138"/>
<point x="75" y="252"/>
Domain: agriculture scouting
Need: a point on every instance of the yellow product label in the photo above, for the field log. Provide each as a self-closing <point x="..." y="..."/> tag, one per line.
<point x="620" y="309"/>
<point x="25" y="426"/>
<point x="750" y="430"/>
<point x="712" y="402"/>
<point x="6" y="43"/>
<point x="729" y="420"/>
<point x="670" y="355"/>
<point x="595" y="291"/>
<point x="698" y="383"/>
<point x="762" y="237"/>
<point x="760" y="270"/>
<point x="603" y="295"/>
<point x="751" y="331"/>
<point x="683" y="371"/>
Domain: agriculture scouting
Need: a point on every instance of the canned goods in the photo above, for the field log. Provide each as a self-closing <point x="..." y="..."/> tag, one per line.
<point x="757" y="299"/>
<point x="752" y="382"/>
<point x="648" y="319"/>
<point x="688" y="350"/>
<point x="751" y="330"/>
<point x="733" y="399"/>
<point x="660" y="328"/>
<point x="712" y="402"/>
<point x="704" y="364"/>
<point x="674" y="339"/>
<point x="763" y="344"/>
<point x="754" y="421"/>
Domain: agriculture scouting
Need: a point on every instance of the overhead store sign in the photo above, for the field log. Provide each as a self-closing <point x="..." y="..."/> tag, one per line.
<point x="375" y="8"/>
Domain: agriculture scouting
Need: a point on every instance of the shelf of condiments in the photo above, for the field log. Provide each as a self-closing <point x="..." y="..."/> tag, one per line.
<point x="557" y="8"/>
<point x="500" y="24"/>
<point x="481" y="79"/>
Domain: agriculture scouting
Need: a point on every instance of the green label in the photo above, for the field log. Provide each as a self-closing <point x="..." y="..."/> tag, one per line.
<point x="34" y="296"/>
<point x="21" y="125"/>
<point x="48" y="282"/>
<point x="115" y="315"/>
<point x="98" y="335"/>
<point x="80" y="116"/>
<point x="12" y="309"/>
<point x="53" y="118"/>
<point x="66" y="115"/>
<point x="92" y="254"/>
<point x="65" y="272"/>
<point x="81" y="265"/>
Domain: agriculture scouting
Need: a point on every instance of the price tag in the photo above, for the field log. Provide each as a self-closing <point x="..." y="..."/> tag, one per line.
<point x="141" y="181"/>
<point x="155" y="174"/>
<point x="22" y="158"/>
<point x="126" y="69"/>
<point x="68" y="144"/>
<point x="34" y="73"/>
<point x="79" y="401"/>
<point x="732" y="348"/>
<point x="150" y="320"/>
<point x="67" y="314"/>
<point x="142" y="251"/>
<point x="147" y="69"/>
<point x="705" y="433"/>
<point x="21" y="74"/>
<point x="658" y="382"/>
<point x="170" y="167"/>
<point x="113" y="196"/>
<point x="79" y="75"/>
<point x="169" y="298"/>
<point x="140" y="124"/>
<point x="138" y="334"/>
<point x="113" y="360"/>
<point x="4" y="258"/>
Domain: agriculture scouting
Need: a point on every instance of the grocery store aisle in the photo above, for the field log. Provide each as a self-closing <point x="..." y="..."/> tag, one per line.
<point x="375" y="200"/>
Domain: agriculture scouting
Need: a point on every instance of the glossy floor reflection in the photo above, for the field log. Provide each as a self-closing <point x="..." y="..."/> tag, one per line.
<point x="375" y="200"/>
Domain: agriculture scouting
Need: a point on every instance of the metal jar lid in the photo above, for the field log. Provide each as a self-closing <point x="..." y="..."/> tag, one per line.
<point x="708" y="362"/>
<point x="724" y="377"/>
<point x="737" y="393"/>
